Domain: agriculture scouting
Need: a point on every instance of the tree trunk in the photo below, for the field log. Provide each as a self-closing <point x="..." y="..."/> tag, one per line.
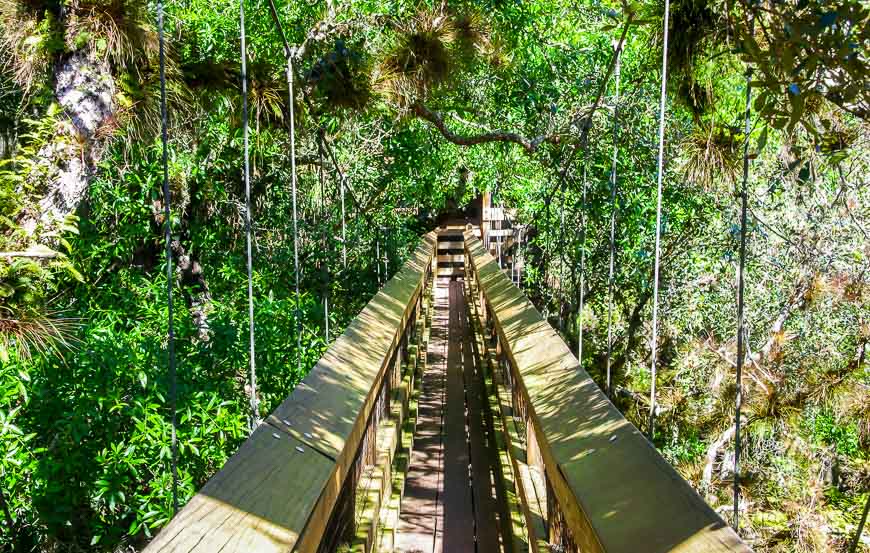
<point x="85" y="89"/>
<point x="712" y="454"/>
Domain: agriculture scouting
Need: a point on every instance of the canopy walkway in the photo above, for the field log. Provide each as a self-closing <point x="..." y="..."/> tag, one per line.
<point x="449" y="417"/>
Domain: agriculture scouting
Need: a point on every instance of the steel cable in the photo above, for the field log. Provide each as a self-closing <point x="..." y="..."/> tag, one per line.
<point x="255" y="408"/>
<point x="167" y="235"/>
<point x="660" y="171"/>
<point x="741" y="323"/>
<point x="613" y="210"/>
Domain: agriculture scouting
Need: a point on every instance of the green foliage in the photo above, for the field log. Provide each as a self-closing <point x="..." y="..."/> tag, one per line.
<point x="814" y="40"/>
<point x="85" y="428"/>
<point x="824" y="429"/>
<point x="31" y="37"/>
<point x="32" y="270"/>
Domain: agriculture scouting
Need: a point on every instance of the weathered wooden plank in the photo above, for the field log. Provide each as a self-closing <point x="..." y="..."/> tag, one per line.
<point x="482" y="452"/>
<point x="498" y="213"/>
<point x="447" y="258"/>
<point x="458" y="514"/>
<point x="616" y="491"/>
<point x="512" y="521"/>
<point x="245" y="507"/>
<point x="267" y="498"/>
<point x="422" y="518"/>
<point x="451" y="245"/>
<point x="451" y="271"/>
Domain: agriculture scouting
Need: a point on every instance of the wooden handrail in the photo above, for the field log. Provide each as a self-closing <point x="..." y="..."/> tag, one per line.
<point x="609" y="485"/>
<point x="278" y="492"/>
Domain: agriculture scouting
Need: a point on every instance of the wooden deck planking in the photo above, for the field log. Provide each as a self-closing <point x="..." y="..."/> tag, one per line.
<point x="458" y="513"/>
<point x="449" y="504"/>
<point x="451" y="245"/>
<point x="421" y="517"/>
<point x="616" y="490"/>
<point x="482" y="451"/>
<point x="277" y="492"/>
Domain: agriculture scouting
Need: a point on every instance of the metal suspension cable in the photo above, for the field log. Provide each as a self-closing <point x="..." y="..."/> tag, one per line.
<point x="616" y="68"/>
<point x="167" y="235"/>
<point x="583" y="143"/>
<point x="342" y="184"/>
<point x="288" y="54"/>
<point x="654" y="344"/>
<point x="741" y="329"/>
<point x="295" y="214"/>
<point x="378" y="253"/>
<point x="858" y="531"/>
<point x="387" y="250"/>
<point x="561" y="259"/>
<point x="498" y="242"/>
<point x="325" y="267"/>
<point x="343" y="224"/>
<point x="582" y="263"/>
<point x="613" y="208"/>
<point x="255" y="408"/>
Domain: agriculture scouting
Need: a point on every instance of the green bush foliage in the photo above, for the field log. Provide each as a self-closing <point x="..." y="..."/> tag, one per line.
<point x="397" y="90"/>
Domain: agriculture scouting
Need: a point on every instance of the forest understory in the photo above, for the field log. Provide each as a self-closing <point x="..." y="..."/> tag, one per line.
<point x="404" y="111"/>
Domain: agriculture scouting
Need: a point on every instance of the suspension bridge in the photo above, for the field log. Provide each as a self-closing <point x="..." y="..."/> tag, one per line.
<point x="449" y="417"/>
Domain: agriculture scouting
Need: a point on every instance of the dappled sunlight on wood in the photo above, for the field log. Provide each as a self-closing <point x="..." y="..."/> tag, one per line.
<point x="278" y="491"/>
<point x="615" y="489"/>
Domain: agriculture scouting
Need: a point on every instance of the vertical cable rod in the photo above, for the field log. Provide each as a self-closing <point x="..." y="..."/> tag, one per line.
<point x="654" y="343"/>
<point x="741" y="323"/>
<point x="498" y="243"/>
<point x="562" y="263"/>
<point x="255" y="407"/>
<point x="582" y="262"/>
<point x="167" y="235"/>
<point x="295" y="214"/>
<point x="858" y="531"/>
<point x="613" y="209"/>
<point x="343" y="225"/>
<point x="325" y="266"/>
<point x="288" y="53"/>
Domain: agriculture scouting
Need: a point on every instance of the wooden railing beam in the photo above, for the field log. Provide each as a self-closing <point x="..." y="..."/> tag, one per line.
<point x="278" y="492"/>
<point x="616" y="492"/>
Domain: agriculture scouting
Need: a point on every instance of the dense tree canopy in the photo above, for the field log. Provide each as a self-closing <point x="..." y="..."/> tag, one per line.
<point x="418" y="107"/>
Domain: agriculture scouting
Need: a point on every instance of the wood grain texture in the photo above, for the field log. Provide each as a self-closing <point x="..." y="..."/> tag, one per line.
<point x="245" y="507"/>
<point x="276" y="494"/>
<point x="448" y="258"/>
<point x="451" y="245"/>
<point x="618" y="494"/>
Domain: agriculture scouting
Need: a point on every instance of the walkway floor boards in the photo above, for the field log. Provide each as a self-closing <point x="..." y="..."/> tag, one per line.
<point x="449" y="503"/>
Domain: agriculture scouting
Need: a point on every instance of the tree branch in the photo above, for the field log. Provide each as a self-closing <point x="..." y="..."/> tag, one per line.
<point x="32" y="255"/>
<point x="530" y="145"/>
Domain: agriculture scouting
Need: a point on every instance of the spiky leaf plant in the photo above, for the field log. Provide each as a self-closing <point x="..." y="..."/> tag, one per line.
<point x="139" y="103"/>
<point x="34" y="333"/>
<point x="712" y="153"/>
<point x="121" y="30"/>
<point x="473" y="37"/>
<point x="30" y="269"/>
<point x="29" y="39"/>
<point x="267" y="93"/>
<point x="419" y="59"/>
<point x="342" y="78"/>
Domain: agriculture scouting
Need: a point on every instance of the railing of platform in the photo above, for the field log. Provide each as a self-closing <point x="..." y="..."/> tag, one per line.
<point x="294" y="484"/>
<point x="588" y="480"/>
